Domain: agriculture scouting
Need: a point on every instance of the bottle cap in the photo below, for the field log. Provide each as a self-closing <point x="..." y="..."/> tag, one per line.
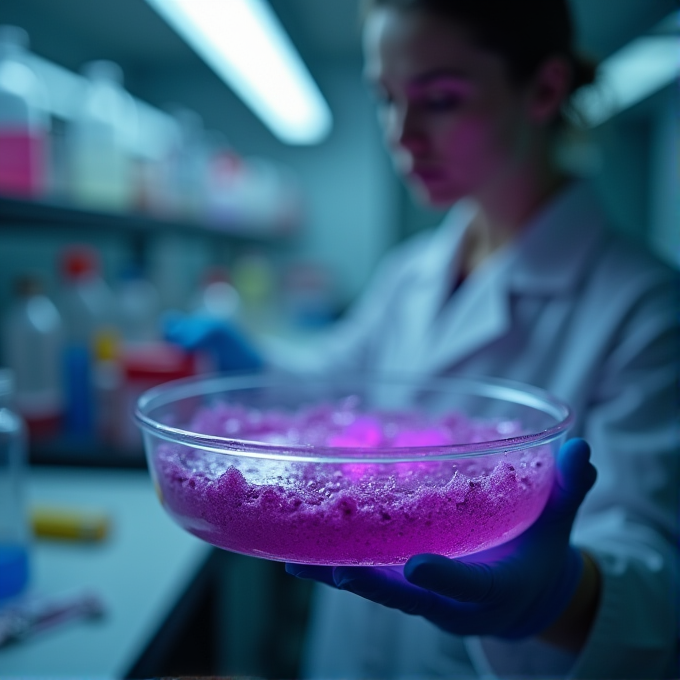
<point x="103" y="70"/>
<point x="79" y="261"/>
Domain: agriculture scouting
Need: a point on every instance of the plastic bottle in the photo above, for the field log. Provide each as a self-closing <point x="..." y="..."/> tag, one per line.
<point x="98" y="141"/>
<point x="226" y="185"/>
<point x="187" y="180"/>
<point x="24" y="123"/>
<point x="146" y="366"/>
<point x="14" y="528"/>
<point x="308" y="298"/>
<point x="33" y="337"/>
<point x="88" y="310"/>
<point x="139" y="307"/>
<point x="254" y="278"/>
<point x="108" y="387"/>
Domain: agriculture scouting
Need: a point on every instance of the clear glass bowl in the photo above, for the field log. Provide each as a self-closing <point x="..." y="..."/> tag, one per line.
<point x="351" y="470"/>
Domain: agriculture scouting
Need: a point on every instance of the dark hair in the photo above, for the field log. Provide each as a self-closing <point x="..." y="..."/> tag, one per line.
<point x="523" y="32"/>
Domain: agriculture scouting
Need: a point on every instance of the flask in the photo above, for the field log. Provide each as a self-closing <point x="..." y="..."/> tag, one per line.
<point x="33" y="340"/>
<point x="14" y="529"/>
<point x="98" y="141"/>
<point x="24" y="123"/>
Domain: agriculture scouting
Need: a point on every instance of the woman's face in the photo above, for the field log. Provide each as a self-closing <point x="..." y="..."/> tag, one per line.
<point x="454" y="122"/>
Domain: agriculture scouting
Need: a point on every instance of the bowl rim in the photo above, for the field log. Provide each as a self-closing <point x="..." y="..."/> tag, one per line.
<point x="204" y="385"/>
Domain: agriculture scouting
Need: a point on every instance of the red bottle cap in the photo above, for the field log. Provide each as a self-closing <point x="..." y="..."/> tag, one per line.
<point x="79" y="261"/>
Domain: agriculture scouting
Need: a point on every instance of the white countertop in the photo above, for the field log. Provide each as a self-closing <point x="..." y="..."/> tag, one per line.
<point x="140" y="571"/>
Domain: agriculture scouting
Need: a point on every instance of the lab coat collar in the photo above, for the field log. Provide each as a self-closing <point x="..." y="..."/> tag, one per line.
<point x="440" y="258"/>
<point x="454" y="327"/>
<point x="550" y="258"/>
<point x="551" y="255"/>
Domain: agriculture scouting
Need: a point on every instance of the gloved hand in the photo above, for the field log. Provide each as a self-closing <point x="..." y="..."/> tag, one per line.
<point x="513" y="591"/>
<point x="224" y="342"/>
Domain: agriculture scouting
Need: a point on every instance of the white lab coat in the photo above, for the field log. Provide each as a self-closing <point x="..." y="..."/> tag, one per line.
<point x="577" y="311"/>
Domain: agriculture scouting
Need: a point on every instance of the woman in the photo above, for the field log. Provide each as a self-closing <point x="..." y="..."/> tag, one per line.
<point x="523" y="281"/>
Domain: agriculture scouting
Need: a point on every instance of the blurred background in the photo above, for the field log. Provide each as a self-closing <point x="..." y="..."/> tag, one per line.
<point x="135" y="182"/>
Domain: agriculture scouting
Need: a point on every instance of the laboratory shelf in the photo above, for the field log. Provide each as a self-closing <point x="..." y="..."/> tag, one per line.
<point x="18" y="213"/>
<point x="88" y="453"/>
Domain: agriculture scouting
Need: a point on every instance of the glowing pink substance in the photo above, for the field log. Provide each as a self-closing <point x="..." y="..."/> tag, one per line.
<point x="22" y="163"/>
<point x="352" y="513"/>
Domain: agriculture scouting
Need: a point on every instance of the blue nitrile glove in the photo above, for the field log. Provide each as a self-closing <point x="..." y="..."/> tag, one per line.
<point x="223" y="341"/>
<point x="513" y="591"/>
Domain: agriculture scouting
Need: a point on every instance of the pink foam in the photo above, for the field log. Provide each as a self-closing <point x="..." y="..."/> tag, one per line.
<point x="352" y="513"/>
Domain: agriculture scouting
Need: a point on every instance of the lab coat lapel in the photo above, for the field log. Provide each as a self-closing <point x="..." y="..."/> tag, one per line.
<point x="438" y="331"/>
<point x="476" y="315"/>
<point x="549" y="259"/>
<point x="427" y="286"/>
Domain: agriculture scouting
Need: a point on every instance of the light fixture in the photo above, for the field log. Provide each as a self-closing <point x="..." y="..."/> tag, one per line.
<point x="636" y="71"/>
<point x="244" y="43"/>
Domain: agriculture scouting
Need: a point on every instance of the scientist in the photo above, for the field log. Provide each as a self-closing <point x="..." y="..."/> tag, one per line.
<point x="524" y="280"/>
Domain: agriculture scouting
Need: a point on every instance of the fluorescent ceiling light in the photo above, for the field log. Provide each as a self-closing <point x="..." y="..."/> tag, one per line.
<point x="636" y="71"/>
<point x="244" y="43"/>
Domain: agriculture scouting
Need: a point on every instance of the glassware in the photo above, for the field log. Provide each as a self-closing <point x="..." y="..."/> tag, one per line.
<point x="101" y="169"/>
<point x="14" y="530"/>
<point x="34" y="343"/>
<point x="24" y="123"/>
<point x="355" y="470"/>
<point x="88" y="309"/>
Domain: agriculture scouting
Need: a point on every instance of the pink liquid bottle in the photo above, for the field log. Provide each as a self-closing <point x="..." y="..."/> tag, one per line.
<point x="24" y="123"/>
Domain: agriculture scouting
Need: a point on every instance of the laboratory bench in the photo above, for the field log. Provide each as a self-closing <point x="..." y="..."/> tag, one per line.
<point x="173" y="605"/>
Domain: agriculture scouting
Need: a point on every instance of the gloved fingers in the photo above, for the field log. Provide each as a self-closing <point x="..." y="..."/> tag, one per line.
<point x="311" y="572"/>
<point x="230" y="349"/>
<point x="237" y="353"/>
<point x="575" y="473"/>
<point x="575" y="476"/>
<point x="386" y="587"/>
<point x="189" y="333"/>
<point x="461" y="581"/>
<point x="171" y="324"/>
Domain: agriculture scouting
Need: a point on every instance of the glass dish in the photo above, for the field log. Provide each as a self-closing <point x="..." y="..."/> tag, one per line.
<point x="354" y="470"/>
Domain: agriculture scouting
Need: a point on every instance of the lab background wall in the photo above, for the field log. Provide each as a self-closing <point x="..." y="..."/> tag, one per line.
<point x="355" y="209"/>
